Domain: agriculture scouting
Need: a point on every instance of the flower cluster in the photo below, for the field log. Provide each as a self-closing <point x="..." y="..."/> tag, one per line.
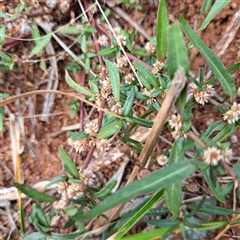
<point x="213" y="155"/>
<point x="122" y="64"/>
<point x="176" y="123"/>
<point x="121" y="40"/>
<point x="148" y="93"/>
<point x="83" y="145"/>
<point x="76" y="190"/>
<point x="150" y="48"/>
<point x="162" y="160"/>
<point x="233" y="114"/>
<point x="103" y="40"/>
<point x="129" y="78"/>
<point x="157" y="66"/>
<point x="203" y="96"/>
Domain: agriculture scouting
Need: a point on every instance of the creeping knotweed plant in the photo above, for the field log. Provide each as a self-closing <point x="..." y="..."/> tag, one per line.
<point x="134" y="97"/>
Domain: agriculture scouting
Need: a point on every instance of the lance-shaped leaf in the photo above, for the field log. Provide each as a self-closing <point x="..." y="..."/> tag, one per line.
<point x="127" y="107"/>
<point x="172" y="193"/>
<point x="148" y="184"/>
<point x="68" y="164"/>
<point x="77" y="87"/>
<point x="33" y="193"/>
<point x="162" y="24"/>
<point x="214" y="63"/>
<point x="177" y="51"/>
<point x="114" y="79"/>
<point x="205" y="6"/>
<point x="40" y="44"/>
<point x="216" y="8"/>
<point x="109" y="129"/>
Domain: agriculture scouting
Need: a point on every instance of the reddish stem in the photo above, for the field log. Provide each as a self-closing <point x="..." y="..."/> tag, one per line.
<point x="132" y="57"/>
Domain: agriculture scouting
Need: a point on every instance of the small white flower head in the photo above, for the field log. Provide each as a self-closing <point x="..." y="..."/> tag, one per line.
<point x="102" y="145"/>
<point x="122" y="64"/>
<point x="150" y="48"/>
<point x="231" y="116"/>
<point x="158" y="65"/>
<point x="227" y="155"/>
<point x="210" y="90"/>
<point x="87" y="177"/>
<point x="99" y="99"/>
<point x="129" y="78"/>
<point x="62" y="187"/>
<point x="150" y="100"/>
<point x="81" y="145"/>
<point x="116" y="108"/>
<point x="75" y="190"/>
<point x="61" y="204"/>
<point x="236" y="107"/>
<point x="212" y="156"/>
<point x="121" y="40"/>
<point x="91" y="129"/>
<point x="178" y="133"/>
<point x="155" y="72"/>
<point x="175" y="121"/>
<point x="162" y="160"/>
<point x="201" y="97"/>
<point x="192" y="88"/>
<point x="103" y="40"/>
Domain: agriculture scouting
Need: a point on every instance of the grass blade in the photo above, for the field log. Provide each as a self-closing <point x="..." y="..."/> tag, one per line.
<point x="216" y="8"/>
<point x="161" y="35"/>
<point x="136" y="217"/>
<point x="151" y="183"/>
<point x="214" y="63"/>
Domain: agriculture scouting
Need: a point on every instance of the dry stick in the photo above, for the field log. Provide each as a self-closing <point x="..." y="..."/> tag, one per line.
<point x="235" y="218"/>
<point x="13" y="98"/>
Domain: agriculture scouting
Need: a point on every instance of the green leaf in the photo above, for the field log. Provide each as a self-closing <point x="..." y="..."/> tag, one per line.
<point x="214" y="63"/>
<point x="153" y="234"/>
<point x="195" y="209"/>
<point x="109" y="129"/>
<point x="39" y="215"/>
<point x="56" y="180"/>
<point x="108" y="52"/>
<point x="33" y="193"/>
<point x="173" y="193"/>
<point x="77" y="135"/>
<point x="232" y="69"/>
<point x="114" y="79"/>
<point x="146" y="74"/>
<point x="217" y="194"/>
<point x="209" y="209"/>
<point x="40" y="44"/>
<point x="161" y="35"/>
<point x="2" y="35"/>
<point x="67" y="236"/>
<point x="84" y="44"/>
<point x="148" y="184"/>
<point x="77" y="87"/>
<point x="236" y="170"/>
<point x="177" y="51"/>
<point x="205" y="6"/>
<point x="104" y="192"/>
<point x="93" y="87"/>
<point x="227" y="131"/>
<point x="216" y="126"/>
<point x="34" y="236"/>
<point x="216" y="8"/>
<point x="140" y="121"/>
<point x="137" y="216"/>
<point x="68" y="164"/>
<point x="127" y="107"/>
